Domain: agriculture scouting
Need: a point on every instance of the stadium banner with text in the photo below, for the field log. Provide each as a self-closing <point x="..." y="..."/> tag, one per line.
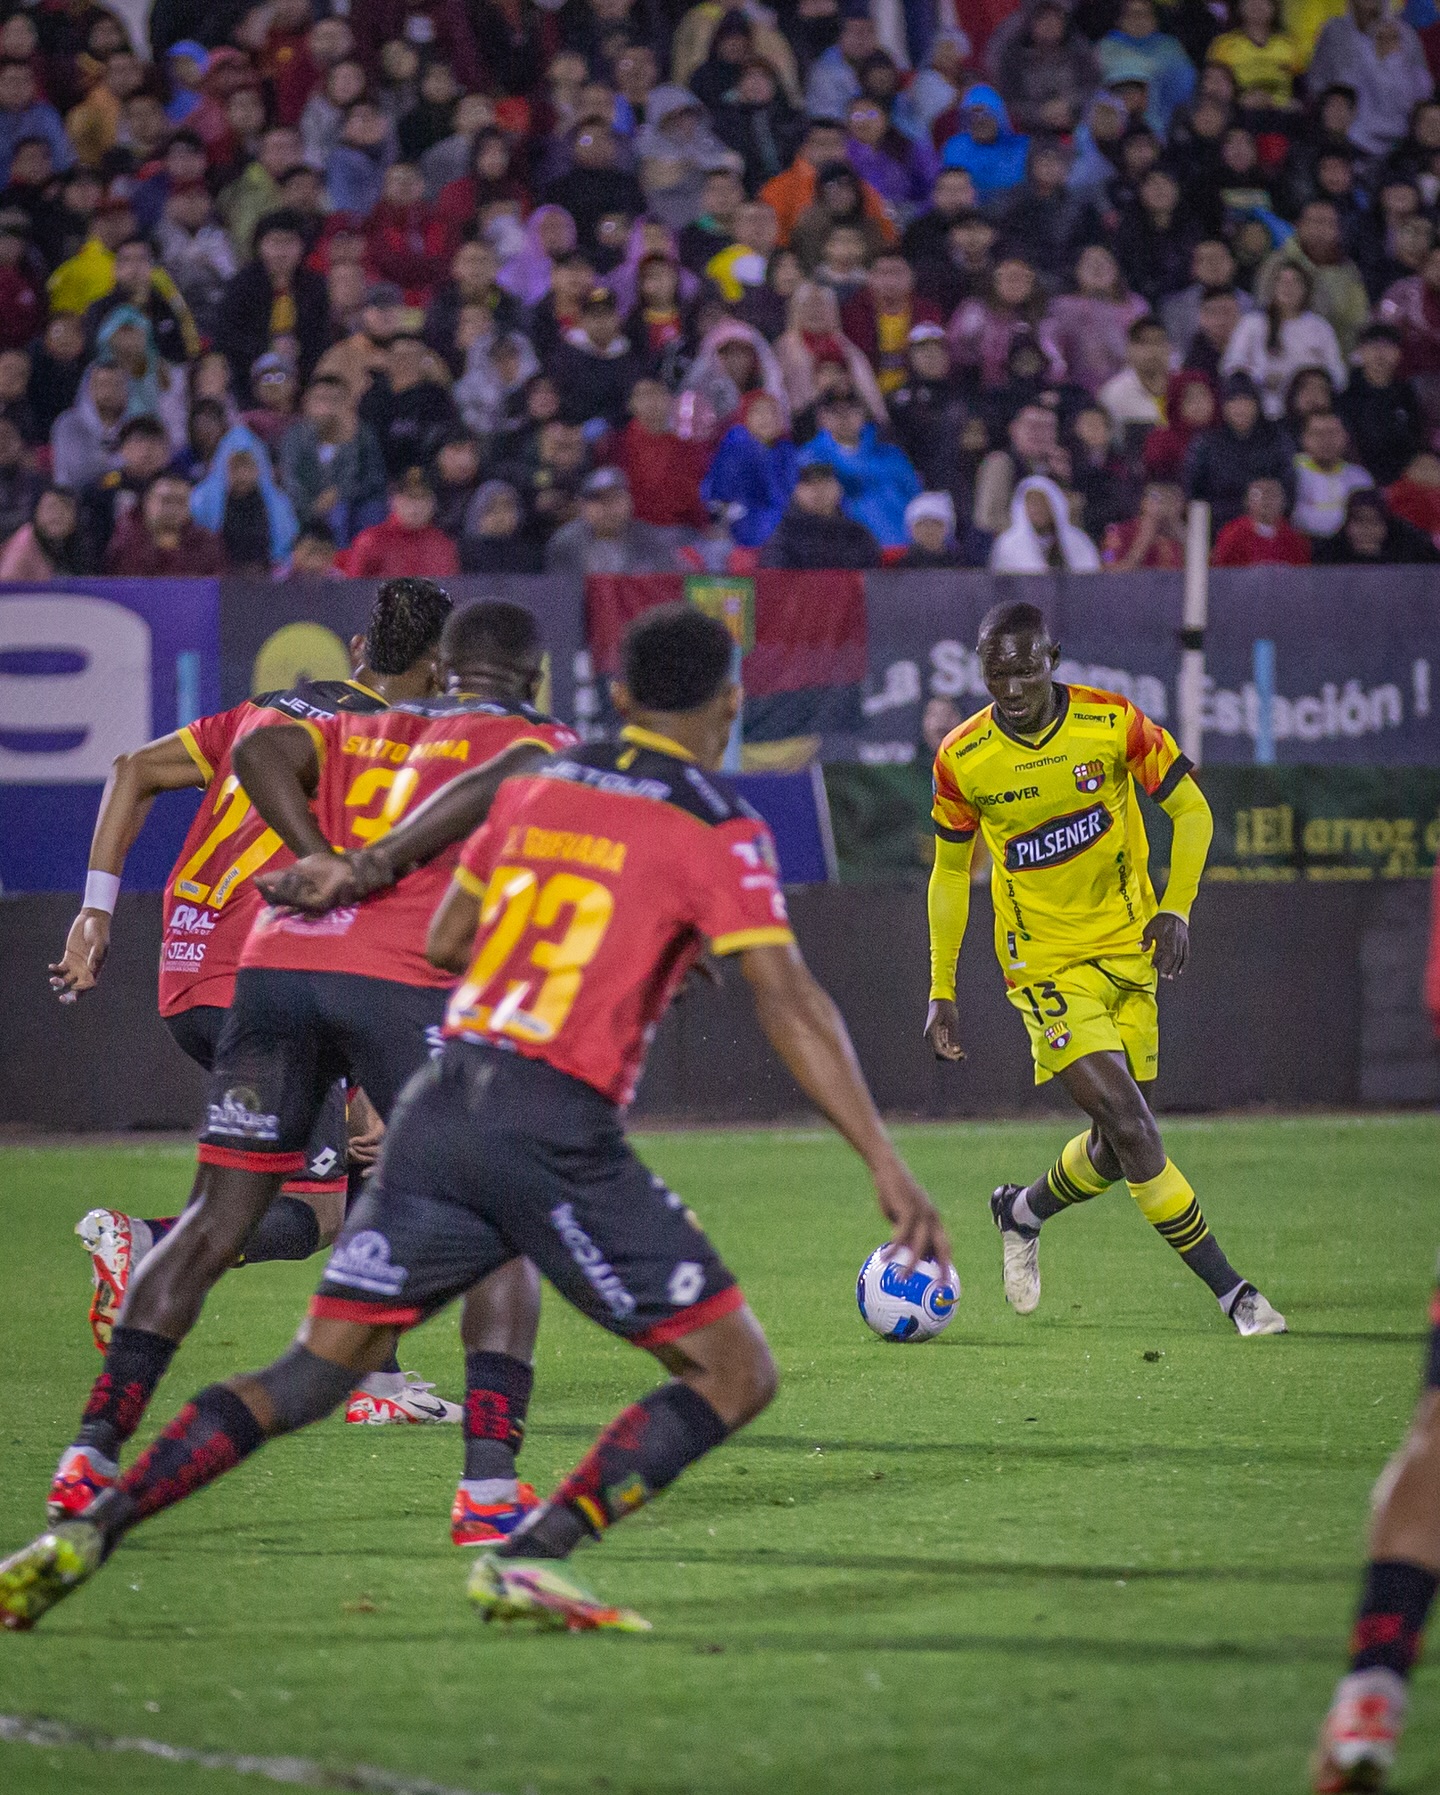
<point x="273" y="631"/>
<point x="90" y="669"/>
<point x="1275" y="824"/>
<point x="802" y="638"/>
<point x="1354" y="652"/>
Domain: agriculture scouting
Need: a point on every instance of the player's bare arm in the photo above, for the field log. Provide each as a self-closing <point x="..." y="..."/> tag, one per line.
<point x="321" y="880"/>
<point x="805" y="1028"/>
<point x="135" y="781"/>
<point x="280" y="770"/>
<point x="452" y="930"/>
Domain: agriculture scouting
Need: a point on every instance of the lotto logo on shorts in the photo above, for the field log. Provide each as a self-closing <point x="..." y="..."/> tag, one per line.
<point x="1089" y="775"/>
<point x="239" y="1115"/>
<point x="363" y="1263"/>
<point x="1057" y="1037"/>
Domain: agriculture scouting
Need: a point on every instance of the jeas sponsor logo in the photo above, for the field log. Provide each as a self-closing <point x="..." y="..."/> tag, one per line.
<point x="1061" y="839"/>
<point x="184" y="953"/>
<point x="186" y="919"/>
<point x="601" y="1275"/>
<point x="1016" y="795"/>
<point x="1089" y="775"/>
<point x="238" y="1114"/>
<point x="363" y="1263"/>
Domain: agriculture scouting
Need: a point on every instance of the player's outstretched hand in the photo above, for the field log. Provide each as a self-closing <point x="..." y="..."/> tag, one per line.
<point x="318" y="883"/>
<point x="917" y="1230"/>
<point x="942" y="1029"/>
<point x="1169" y="935"/>
<point x="78" y="968"/>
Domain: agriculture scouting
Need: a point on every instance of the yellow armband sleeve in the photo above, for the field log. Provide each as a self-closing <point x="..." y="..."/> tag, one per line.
<point x="949" y="907"/>
<point x="1187" y="809"/>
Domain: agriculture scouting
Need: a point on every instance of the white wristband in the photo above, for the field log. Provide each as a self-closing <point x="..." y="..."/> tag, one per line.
<point x="101" y="891"/>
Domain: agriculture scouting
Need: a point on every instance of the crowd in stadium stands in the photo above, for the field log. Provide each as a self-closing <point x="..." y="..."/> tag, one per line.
<point x="604" y="286"/>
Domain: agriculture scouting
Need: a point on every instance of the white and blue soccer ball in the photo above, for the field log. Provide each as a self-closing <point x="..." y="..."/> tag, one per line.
<point x="906" y="1305"/>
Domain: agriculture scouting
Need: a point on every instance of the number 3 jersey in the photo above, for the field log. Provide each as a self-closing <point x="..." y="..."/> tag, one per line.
<point x="1059" y="815"/>
<point x="210" y="900"/>
<point x="373" y="771"/>
<point x="600" y="877"/>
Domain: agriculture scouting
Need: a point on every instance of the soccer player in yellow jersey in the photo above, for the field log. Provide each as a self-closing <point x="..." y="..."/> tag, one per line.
<point x="1047" y="774"/>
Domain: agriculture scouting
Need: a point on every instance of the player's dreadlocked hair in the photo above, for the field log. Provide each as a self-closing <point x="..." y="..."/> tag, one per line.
<point x="1015" y="618"/>
<point x="675" y="658"/>
<point x="492" y="634"/>
<point x="408" y="617"/>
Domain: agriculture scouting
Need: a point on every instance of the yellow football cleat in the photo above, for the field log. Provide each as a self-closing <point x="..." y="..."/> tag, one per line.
<point x="533" y="1590"/>
<point x="43" y="1573"/>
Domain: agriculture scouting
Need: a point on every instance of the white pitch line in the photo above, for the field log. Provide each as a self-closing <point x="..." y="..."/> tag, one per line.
<point x="305" y="1773"/>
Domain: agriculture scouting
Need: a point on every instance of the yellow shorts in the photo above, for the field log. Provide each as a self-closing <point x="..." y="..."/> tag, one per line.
<point x="1097" y="1006"/>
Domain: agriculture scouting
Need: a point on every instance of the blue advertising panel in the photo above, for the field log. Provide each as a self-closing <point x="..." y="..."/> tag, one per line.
<point x="90" y="669"/>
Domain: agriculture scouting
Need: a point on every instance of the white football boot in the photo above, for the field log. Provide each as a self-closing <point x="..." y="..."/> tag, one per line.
<point x="1021" y="1252"/>
<point x="1254" y="1314"/>
<point x="1360" y="1735"/>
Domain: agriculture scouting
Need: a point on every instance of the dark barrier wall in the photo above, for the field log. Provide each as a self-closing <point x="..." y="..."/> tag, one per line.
<point x="1296" y="994"/>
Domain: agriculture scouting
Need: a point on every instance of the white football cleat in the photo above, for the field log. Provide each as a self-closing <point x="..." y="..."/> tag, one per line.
<point x="116" y="1244"/>
<point x="412" y="1402"/>
<point x="1021" y="1248"/>
<point x="1360" y="1735"/>
<point x="1253" y="1314"/>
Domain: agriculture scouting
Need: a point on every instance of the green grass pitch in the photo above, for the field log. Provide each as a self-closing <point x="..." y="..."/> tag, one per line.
<point x="1110" y="1548"/>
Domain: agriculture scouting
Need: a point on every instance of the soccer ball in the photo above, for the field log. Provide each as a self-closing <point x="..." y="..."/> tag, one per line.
<point x="901" y="1305"/>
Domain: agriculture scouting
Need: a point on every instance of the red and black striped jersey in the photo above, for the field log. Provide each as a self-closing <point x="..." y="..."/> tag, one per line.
<point x="600" y="877"/>
<point x="210" y="899"/>
<point x="373" y="770"/>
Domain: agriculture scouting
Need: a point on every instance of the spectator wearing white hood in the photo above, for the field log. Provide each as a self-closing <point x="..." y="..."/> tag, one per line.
<point x="1041" y="537"/>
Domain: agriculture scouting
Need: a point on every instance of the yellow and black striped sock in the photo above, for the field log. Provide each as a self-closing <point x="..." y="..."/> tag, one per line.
<point x="1168" y="1203"/>
<point x="1073" y="1178"/>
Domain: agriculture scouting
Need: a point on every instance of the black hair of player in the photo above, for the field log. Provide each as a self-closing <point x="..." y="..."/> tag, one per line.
<point x="408" y="617"/>
<point x="494" y="637"/>
<point x="1014" y="618"/>
<point x="676" y="659"/>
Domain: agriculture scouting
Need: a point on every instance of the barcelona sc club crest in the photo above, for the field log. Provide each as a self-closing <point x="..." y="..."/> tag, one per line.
<point x="1089" y="775"/>
<point x="1057" y="1037"/>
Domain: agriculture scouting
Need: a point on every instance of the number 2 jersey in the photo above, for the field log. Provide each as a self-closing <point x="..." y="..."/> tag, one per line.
<point x="600" y="877"/>
<point x="373" y="770"/>
<point x="1059" y="815"/>
<point x="210" y="898"/>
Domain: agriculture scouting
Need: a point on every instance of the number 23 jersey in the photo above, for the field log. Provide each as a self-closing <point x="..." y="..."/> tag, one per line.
<point x="1059" y="815"/>
<point x="600" y="877"/>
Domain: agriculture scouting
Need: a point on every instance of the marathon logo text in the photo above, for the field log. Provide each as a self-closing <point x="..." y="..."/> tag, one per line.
<point x="1061" y="839"/>
<point x="591" y="1260"/>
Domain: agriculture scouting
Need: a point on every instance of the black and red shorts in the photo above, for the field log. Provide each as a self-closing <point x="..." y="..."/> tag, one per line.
<point x="288" y="1037"/>
<point x="490" y="1156"/>
<point x="196" y="1033"/>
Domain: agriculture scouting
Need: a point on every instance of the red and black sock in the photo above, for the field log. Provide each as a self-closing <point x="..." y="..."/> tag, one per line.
<point x="210" y="1436"/>
<point x="135" y="1361"/>
<point x="497" y="1397"/>
<point x="637" y="1456"/>
<point x="159" y="1226"/>
<point x="1391" y="1623"/>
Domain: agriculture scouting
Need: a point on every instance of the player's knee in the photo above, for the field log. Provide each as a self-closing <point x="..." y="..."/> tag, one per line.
<point x="754" y="1381"/>
<point x="1129" y="1129"/>
<point x="300" y="1387"/>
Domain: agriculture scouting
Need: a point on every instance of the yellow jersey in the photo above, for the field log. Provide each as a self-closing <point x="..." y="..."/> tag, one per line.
<point x="1060" y="817"/>
<point x="1271" y="66"/>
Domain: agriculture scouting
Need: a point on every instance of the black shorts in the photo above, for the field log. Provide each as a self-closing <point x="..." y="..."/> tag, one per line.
<point x="288" y="1037"/>
<point x="196" y="1033"/>
<point x="490" y="1156"/>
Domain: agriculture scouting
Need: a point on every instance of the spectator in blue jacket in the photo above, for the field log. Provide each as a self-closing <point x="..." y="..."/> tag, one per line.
<point x="991" y="153"/>
<point x="23" y="114"/>
<point x="752" y="473"/>
<point x="1136" y="50"/>
<point x="875" y="477"/>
